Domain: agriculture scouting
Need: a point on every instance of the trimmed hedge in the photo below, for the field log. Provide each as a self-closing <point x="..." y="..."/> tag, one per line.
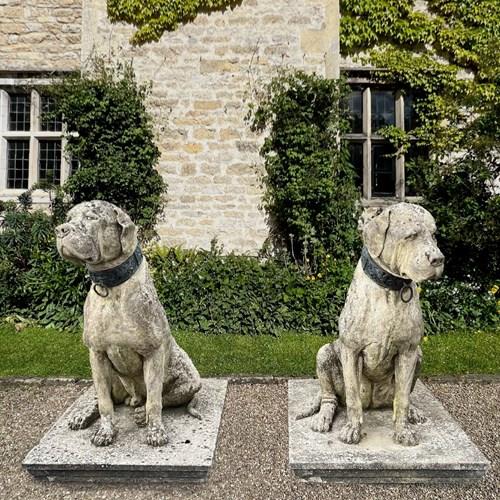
<point x="212" y="293"/>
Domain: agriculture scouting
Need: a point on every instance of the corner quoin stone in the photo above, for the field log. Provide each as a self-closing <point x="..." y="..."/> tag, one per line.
<point x="66" y="455"/>
<point x="445" y="453"/>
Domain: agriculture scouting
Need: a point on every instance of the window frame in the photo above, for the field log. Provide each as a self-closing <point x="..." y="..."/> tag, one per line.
<point x="366" y="82"/>
<point x="34" y="135"/>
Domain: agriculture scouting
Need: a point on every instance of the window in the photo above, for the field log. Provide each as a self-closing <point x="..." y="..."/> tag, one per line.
<point x="381" y="173"/>
<point x="31" y="143"/>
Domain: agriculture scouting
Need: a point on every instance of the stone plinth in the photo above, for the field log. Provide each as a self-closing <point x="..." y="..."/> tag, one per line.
<point x="445" y="453"/>
<point x="66" y="455"/>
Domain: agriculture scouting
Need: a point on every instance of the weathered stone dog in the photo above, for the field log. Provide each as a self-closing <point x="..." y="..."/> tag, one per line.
<point x="375" y="361"/>
<point x="134" y="358"/>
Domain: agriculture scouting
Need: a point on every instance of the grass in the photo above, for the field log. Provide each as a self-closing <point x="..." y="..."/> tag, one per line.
<point x="51" y="353"/>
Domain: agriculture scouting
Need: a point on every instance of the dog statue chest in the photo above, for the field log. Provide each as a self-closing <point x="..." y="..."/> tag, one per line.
<point x="111" y="325"/>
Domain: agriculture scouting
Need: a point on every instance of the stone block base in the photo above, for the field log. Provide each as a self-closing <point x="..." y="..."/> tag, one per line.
<point x="66" y="455"/>
<point x="445" y="453"/>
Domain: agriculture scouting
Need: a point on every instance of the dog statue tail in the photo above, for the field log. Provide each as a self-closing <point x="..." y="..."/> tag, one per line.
<point x="191" y="408"/>
<point x="312" y="410"/>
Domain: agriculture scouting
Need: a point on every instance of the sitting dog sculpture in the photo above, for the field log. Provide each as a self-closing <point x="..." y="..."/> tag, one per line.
<point x="134" y="358"/>
<point x="375" y="362"/>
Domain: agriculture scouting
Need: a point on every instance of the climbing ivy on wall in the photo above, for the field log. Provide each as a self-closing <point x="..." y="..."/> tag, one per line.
<point x="153" y="17"/>
<point x="446" y="53"/>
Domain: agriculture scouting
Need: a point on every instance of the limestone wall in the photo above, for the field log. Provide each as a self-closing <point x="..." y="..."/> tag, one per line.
<point x="204" y="75"/>
<point x="37" y="35"/>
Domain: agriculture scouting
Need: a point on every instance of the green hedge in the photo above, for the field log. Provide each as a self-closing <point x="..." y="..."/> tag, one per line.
<point x="208" y="292"/>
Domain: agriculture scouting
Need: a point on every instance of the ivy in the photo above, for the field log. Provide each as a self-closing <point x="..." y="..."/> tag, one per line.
<point x="448" y="57"/>
<point x="110" y="133"/>
<point x="310" y="187"/>
<point x="153" y="17"/>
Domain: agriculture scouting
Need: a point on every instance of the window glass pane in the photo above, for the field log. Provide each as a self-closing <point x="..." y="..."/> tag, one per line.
<point x="356" y="158"/>
<point x="383" y="109"/>
<point x="355" y="105"/>
<point x="18" y="164"/>
<point x="49" y="161"/>
<point x="74" y="165"/>
<point x="409" y="110"/>
<point x="19" y="112"/>
<point x="52" y="123"/>
<point x="414" y="158"/>
<point x="383" y="170"/>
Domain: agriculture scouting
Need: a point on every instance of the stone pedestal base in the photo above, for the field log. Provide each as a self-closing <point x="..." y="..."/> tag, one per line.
<point x="66" y="455"/>
<point x="445" y="453"/>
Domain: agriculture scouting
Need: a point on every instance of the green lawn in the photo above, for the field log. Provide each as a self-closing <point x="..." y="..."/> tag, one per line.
<point x="45" y="352"/>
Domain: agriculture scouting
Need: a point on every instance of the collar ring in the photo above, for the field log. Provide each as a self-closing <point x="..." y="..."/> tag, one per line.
<point x="403" y="292"/>
<point x="105" y="289"/>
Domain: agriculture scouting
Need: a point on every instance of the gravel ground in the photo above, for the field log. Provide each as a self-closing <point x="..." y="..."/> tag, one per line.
<point x="251" y="457"/>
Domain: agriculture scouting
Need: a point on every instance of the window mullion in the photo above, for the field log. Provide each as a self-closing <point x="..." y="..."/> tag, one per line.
<point x="35" y="126"/>
<point x="400" y="162"/>
<point x="367" y="131"/>
<point x="4" y="122"/>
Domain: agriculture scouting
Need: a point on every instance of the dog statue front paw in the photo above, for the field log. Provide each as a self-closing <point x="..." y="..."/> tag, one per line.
<point x="322" y="421"/>
<point x="405" y="436"/>
<point x="105" y="434"/>
<point x="156" y="434"/>
<point x="350" y="433"/>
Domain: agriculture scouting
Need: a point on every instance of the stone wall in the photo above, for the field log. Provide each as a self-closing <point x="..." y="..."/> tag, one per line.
<point x="204" y="75"/>
<point x="40" y="35"/>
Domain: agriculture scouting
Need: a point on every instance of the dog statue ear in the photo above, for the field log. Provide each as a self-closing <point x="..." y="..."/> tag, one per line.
<point x="375" y="232"/>
<point x="128" y="236"/>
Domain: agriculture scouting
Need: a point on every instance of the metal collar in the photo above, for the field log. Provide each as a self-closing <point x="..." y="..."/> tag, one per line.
<point x="117" y="275"/>
<point x="385" y="279"/>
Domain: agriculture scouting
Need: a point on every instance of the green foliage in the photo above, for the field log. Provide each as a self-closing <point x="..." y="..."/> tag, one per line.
<point x="34" y="281"/>
<point x="154" y="17"/>
<point x="450" y="305"/>
<point x="214" y="293"/>
<point x="448" y="57"/>
<point x="310" y="193"/>
<point x="110" y="133"/>
<point x="467" y="214"/>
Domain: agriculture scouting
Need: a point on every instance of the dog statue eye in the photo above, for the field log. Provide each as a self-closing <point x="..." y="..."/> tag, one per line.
<point x="411" y="236"/>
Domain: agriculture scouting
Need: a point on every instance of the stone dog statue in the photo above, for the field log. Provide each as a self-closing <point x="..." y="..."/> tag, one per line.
<point x="376" y="360"/>
<point x="134" y="358"/>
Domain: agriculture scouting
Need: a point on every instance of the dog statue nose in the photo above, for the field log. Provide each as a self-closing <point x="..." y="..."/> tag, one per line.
<point x="436" y="260"/>
<point x="62" y="230"/>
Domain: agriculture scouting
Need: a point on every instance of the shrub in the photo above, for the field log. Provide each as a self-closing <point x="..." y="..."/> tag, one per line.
<point x="310" y="194"/>
<point x="110" y="133"/>
<point x="449" y="304"/>
<point x="34" y="281"/>
<point x="214" y="293"/>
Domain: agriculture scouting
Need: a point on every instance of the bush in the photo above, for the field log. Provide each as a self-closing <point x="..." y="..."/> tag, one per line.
<point x="110" y="133"/>
<point x="209" y="292"/>
<point x="449" y="305"/>
<point x="35" y="281"/>
<point x="310" y="193"/>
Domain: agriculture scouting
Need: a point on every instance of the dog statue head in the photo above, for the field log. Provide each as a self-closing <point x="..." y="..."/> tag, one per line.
<point x="401" y="239"/>
<point x="97" y="234"/>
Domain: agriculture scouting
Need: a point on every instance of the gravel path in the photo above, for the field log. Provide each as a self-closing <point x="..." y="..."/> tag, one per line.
<point x="251" y="457"/>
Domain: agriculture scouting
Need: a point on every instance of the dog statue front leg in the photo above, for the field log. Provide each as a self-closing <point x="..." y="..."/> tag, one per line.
<point x="156" y="434"/>
<point x="405" y="364"/>
<point x="101" y="374"/>
<point x="351" y="432"/>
